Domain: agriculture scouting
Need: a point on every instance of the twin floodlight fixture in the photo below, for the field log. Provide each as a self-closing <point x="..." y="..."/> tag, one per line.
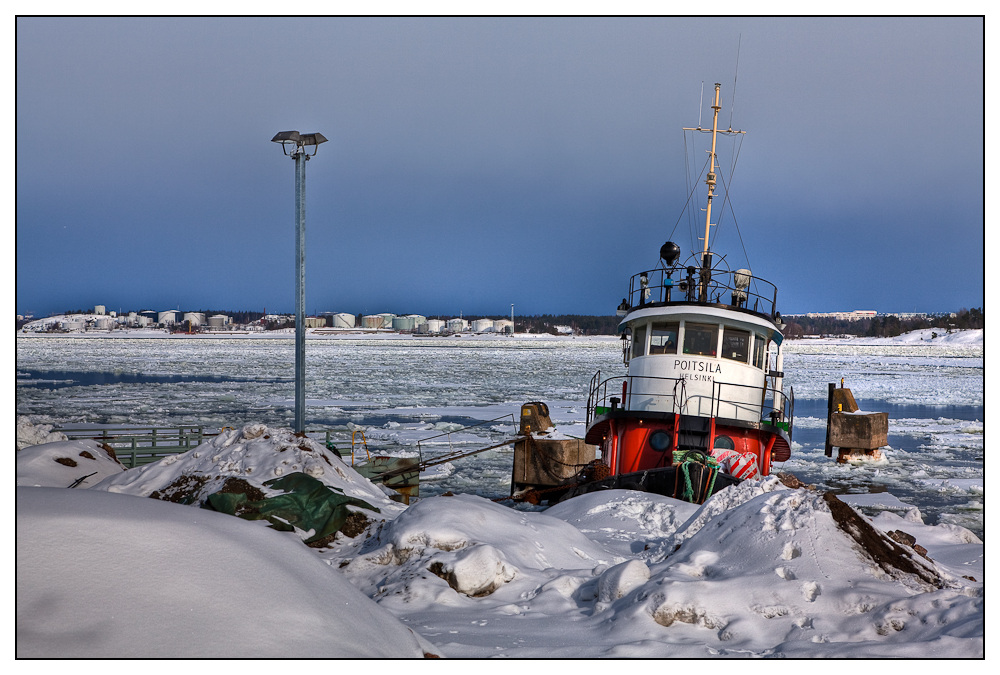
<point x="297" y="143"/>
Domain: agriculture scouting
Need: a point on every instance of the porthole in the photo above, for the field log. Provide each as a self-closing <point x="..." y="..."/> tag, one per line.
<point x="659" y="441"/>
<point x="724" y="443"/>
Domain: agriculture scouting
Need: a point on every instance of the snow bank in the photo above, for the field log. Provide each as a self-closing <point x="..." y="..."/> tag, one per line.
<point x="759" y="570"/>
<point x="445" y="548"/>
<point x="939" y="336"/>
<point x="625" y="521"/>
<point x="254" y="454"/>
<point x="66" y="464"/>
<point x="781" y="575"/>
<point x="102" y="575"/>
<point x="925" y="336"/>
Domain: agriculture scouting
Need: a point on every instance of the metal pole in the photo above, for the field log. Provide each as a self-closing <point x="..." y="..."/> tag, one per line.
<point x="300" y="290"/>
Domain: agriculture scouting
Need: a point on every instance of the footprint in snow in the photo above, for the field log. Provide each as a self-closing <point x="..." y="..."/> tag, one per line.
<point x="785" y="573"/>
<point x="810" y="590"/>
<point x="791" y="551"/>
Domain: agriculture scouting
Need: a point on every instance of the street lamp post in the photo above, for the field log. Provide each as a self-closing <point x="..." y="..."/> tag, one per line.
<point x="295" y="146"/>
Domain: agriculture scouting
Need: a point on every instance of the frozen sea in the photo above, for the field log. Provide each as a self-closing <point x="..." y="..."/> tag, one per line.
<point x="402" y="391"/>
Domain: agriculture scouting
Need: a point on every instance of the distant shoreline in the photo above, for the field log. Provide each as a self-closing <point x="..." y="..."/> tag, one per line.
<point x="968" y="337"/>
<point x="311" y="334"/>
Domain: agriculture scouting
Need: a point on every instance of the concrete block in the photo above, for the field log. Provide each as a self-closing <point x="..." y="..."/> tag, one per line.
<point x="863" y="431"/>
<point x="549" y="462"/>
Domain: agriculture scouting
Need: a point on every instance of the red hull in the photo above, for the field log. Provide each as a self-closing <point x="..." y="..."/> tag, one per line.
<point x="634" y="444"/>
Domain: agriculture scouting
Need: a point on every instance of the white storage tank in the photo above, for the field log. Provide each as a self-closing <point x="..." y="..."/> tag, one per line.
<point x="482" y="326"/>
<point x="457" y="325"/>
<point x="72" y="324"/>
<point x="376" y="321"/>
<point x="404" y="323"/>
<point x="99" y="310"/>
<point x="167" y="318"/>
<point x="434" y="326"/>
<point x="218" y="321"/>
<point x="196" y="318"/>
<point x="344" y="320"/>
<point x="503" y="326"/>
<point x="315" y="322"/>
<point x="102" y="323"/>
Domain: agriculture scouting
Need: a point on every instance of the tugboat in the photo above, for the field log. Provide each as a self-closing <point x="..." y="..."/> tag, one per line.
<point x="701" y="404"/>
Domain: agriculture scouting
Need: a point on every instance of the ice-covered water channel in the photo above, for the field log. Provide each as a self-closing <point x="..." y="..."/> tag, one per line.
<point x="404" y="390"/>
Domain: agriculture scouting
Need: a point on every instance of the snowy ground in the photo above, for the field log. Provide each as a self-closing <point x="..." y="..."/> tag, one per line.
<point x="926" y="336"/>
<point x="759" y="570"/>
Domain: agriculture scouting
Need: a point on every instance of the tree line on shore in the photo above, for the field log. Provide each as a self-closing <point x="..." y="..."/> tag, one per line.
<point x="884" y="325"/>
<point x="797" y="326"/>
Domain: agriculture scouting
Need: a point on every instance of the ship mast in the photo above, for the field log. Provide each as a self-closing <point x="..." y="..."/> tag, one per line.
<point x="710" y="178"/>
<point x="705" y="275"/>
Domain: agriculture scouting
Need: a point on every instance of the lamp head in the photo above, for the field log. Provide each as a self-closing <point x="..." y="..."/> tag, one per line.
<point x="296" y="142"/>
<point x="670" y="252"/>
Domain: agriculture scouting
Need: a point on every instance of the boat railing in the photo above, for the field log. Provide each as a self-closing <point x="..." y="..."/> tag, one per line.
<point x="721" y="287"/>
<point x="775" y="407"/>
<point x="735" y="401"/>
<point x="449" y="434"/>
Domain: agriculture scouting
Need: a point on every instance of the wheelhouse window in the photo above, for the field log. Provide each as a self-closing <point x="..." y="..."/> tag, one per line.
<point x="639" y="341"/>
<point x="759" y="345"/>
<point x="700" y="339"/>
<point x="663" y="338"/>
<point x="736" y="344"/>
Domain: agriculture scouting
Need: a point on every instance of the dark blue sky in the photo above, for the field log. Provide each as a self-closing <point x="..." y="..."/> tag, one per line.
<point x="477" y="163"/>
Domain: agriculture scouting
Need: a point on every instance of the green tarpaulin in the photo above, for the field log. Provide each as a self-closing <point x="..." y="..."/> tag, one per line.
<point x="307" y="504"/>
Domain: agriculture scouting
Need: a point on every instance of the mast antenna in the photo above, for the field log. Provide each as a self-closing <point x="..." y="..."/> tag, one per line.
<point x="735" y="77"/>
<point x="701" y="102"/>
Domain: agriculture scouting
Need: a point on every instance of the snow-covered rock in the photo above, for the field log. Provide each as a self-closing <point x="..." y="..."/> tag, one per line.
<point x="29" y="433"/>
<point x="80" y="464"/>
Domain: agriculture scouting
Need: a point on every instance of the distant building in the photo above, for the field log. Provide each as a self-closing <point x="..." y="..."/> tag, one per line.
<point x="869" y="314"/>
<point x="856" y="315"/>
<point x="99" y="310"/>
